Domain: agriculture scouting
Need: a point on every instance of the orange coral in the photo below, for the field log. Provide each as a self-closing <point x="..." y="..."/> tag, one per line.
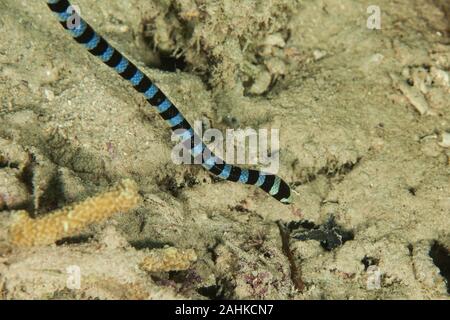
<point x="69" y="221"/>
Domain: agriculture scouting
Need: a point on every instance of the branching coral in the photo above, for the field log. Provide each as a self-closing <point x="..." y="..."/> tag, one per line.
<point x="168" y="259"/>
<point x="69" y="221"/>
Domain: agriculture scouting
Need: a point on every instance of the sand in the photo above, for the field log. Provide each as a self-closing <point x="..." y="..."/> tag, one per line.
<point x="362" y="113"/>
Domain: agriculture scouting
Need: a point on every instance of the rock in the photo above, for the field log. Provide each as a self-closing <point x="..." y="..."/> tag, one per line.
<point x="13" y="192"/>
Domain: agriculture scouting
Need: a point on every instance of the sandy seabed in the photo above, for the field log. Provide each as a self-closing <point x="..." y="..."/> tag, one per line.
<point x="364" y="120"/>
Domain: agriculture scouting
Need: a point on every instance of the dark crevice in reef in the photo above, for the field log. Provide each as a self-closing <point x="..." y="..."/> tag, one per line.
<point x="53" y="196"/>
<point x="6" y="164"/>
<point x="410" y="249"/>
<point x="213" y="292"/>
<point x="441" y="258"/>
<point x="222" y="290"/>
<point x="296" y="273"/>
<point x="84" y="238"/>
<point x="212" y="249"/>
<point x="149" y="244"/>
<point x="190" y="280"/>
<point x="330" y="234"/>
<point x="170" y="63"/>
<point x="27" y="174"/>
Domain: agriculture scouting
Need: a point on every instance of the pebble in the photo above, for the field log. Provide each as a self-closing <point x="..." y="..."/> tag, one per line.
<point x="319" y="54"/>
<point x="49" y="95"/>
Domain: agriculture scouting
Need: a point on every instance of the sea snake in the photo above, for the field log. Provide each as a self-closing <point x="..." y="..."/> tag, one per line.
<point x="84" y="34"/>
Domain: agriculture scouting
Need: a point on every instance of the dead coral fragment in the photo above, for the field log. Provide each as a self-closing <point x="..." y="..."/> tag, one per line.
<point x="69" y="221"/>
<point x="168" y="259"/>
<point x="445" y="140"/>
<point x="413" y="94"/>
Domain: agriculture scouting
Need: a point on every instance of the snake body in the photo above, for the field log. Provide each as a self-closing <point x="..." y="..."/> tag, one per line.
<point x="84" y="34"/>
